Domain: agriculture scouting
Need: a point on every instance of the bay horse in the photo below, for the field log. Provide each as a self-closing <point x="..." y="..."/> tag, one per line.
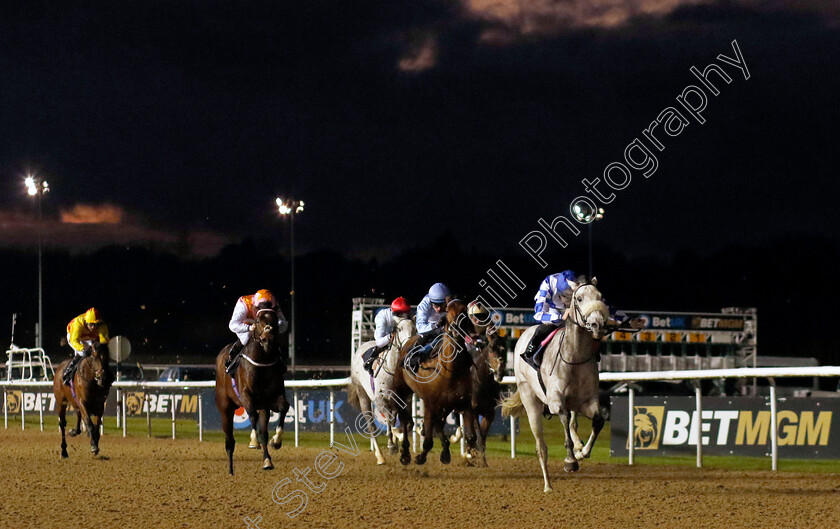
<point x="257" y="385"/>
<point x="365" y="389"/>
<point x="567" y="381"/>
<point x="489" y="362"/>
<point x="443" y="381"/>
<point x="87" y="392"/>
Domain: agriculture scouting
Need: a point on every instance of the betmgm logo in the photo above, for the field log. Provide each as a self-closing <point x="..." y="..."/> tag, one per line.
<point x="134" y="402"/>
<point x="647" y="427"/>
<point x="13" y="401"/>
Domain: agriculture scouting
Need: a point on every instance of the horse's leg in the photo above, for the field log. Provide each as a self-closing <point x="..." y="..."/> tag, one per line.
<point x="78" y="429"/>
<point x="62" y="424"/>
<point x="482" y="429"/>
<point x="283" y="406"/>
<point x="262" y="435"/>
<point x="94" y="435"/>
<point x="573" y="426"/>
<point x="534" y="408"/>
<point x="470" y="435"/>
<point x="594" y="409"/>
<point x="254" y="443"/>
<point x="445" y="454"/>
<point x="95" y="432"/>
<point x="404" y="414"/>
<point x="367" y="411"/>
<point x="227" y="428"/>
<point x="428" y="435"/>
<point x="571" y="462"/>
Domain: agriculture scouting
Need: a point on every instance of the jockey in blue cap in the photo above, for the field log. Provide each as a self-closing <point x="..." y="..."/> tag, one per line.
<point x="429" y="322"/>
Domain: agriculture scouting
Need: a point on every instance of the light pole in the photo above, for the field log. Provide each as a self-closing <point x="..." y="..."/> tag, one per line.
<point x="35" y="187"/>
<point x="290" y="207"/>
<point x="587" y="215"/>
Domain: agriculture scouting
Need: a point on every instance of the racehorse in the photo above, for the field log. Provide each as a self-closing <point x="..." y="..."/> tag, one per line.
<point x="443" y="381"/>
<point x="364" y="388"/>
<point x="87" y="392"/>
<point x="567" y="381"/>
<point x="489" y="362"/>
<point x="257" y="385"/>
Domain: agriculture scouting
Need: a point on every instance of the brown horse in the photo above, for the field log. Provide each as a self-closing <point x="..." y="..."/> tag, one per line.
<point x="443" y="381"/>
<point x="489" y="362"/>
<point x="257" y="385"/>
<point x="91" y="383"/>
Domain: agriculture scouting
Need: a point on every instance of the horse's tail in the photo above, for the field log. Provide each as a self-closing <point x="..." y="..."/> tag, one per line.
<point x="512" y="406"/>
<point x="353" y="396"/>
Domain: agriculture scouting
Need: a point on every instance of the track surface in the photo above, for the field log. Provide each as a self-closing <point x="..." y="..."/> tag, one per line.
<point x="140" y="482"/>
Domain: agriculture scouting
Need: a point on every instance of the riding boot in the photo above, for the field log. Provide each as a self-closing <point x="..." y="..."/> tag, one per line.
<point x="70" y="370"/>
<point x="533" y="353"/>
<point x="424" y="342"/>
<point x="371" y="355"/>
<point x="233" y="354"/>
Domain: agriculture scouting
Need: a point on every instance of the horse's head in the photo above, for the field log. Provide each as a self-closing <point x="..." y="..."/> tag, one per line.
<point x="98" y="364"/>
<point x="494" y="353"/>
<point x="458" y="321"/>
<point x="265" y="326"/>
<point x="587" y="308"/>
<point x="405" y="330"/>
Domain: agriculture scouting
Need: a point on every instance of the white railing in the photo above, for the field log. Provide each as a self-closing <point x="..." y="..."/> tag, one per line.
<point x="769" y="373"/>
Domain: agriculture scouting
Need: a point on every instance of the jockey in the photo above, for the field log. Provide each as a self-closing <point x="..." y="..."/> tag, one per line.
<point x="429" y="322"/>
<point x="242" y="322"/>
<point x="386" y="323"/>
<point x="83" y="332"/>
<point x="552" y="301"/>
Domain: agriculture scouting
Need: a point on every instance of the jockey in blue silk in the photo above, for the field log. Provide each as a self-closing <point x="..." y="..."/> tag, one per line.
<point x="553" y="300"/>
<point x="429" y="322"/>
<point x="386" y="323"/>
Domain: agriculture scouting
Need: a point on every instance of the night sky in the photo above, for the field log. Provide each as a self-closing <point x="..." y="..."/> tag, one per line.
<point x="399" y="121"/>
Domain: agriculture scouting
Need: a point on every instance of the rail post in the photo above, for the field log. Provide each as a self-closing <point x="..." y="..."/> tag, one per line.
<point x="122" y="412"/>
<point x="332" y="416"/>
<point x="201" y="419"/>
<point x="5" y="411"/>
<point x="148" y="402"/>
<point x="631" y="440"/>
<point x="297" y="425"/>
<point x="697" y="429"/>
<point x="173" y="415"/>
<point x="774" y="428"/>
<point x="40" y="412"/>
<point x="512" y="437"/>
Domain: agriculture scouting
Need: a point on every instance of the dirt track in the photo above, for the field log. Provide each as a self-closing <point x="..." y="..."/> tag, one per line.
<point x="165" y="483"/>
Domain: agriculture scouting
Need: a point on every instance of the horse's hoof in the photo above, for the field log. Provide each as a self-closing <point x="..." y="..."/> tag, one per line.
<point x="268" y="465"/>
<point x="253" y="445"/>
<point x="420" y="459"/>
<point x="393" y="450"/>
<point x="380" y="462"/>
<point x="548" y="489"/>
<point x="578" y="455"/>
<point x="64" y="455"/>
<point x="274" y="445"/>
<point x="571" y="466"/>
<point x="73" y="433"/>
<point x="445" y="457"/>
<point x="94" y="451"/>
<point x="405" y="459"/>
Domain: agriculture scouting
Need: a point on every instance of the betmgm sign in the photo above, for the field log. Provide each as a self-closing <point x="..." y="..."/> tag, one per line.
<point x="664" y="426"/>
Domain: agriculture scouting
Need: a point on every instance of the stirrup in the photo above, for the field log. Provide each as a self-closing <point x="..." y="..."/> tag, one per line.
<point x="230" y="365"/>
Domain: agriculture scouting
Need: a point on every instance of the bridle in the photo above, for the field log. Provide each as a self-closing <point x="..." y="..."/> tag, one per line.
<point x="263" y="340"/>
<point x="576" y="312"/>
<point x="393" y="346"/>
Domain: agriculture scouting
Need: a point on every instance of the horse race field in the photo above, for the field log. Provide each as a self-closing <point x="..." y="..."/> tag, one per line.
<point x="158" y="482"/>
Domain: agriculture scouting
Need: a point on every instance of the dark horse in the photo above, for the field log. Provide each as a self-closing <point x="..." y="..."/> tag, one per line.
<point x="257" y="385"/>
<point x="91" y="384"/>
<point x="443" y="381"/>
<point x="489" y="363"/>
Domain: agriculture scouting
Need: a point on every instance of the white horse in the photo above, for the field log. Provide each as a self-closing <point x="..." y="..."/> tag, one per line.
<point x="364" y="389"/>
<point x="569" y="374"/>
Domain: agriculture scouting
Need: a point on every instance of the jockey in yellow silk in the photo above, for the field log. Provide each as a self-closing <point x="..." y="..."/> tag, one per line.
<point x="83" y="332"/>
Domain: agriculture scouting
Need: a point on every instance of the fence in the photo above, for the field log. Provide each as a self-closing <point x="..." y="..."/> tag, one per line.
<point x="769" y="373"/>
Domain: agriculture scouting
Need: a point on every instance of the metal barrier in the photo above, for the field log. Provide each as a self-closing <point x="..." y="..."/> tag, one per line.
<point x="769" y="373"/>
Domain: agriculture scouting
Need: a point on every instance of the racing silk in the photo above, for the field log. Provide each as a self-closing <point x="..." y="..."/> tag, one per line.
<point x="549" y="306"/>
<point x="427" y="319"/>
<point x="78" y="333"/>
<point x="385" y="325"/>
<point x="245" y="314"/>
